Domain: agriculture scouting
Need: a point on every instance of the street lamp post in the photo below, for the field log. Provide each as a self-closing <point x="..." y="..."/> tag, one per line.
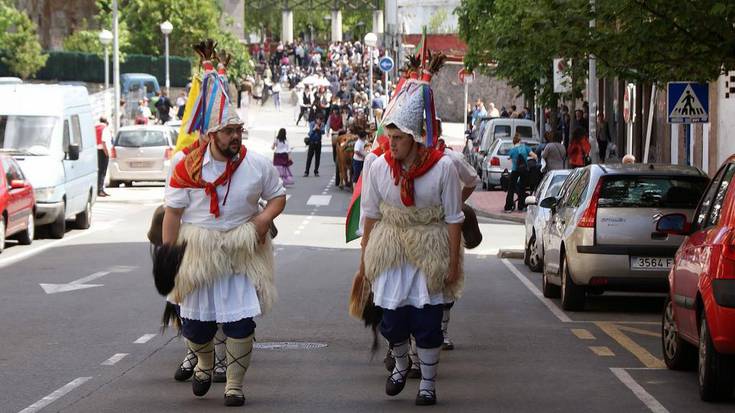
<point x="105" y="37"/>
<point x="166" y="29"/>
<point x="115" y="67"/>
<point x="371" y="40"/>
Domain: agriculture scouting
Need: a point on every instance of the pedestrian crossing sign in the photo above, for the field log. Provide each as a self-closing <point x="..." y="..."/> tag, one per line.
<point x="688" y="102"/>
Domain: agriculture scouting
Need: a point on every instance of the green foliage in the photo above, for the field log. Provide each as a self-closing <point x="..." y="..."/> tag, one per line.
<point x="241" y="63"/>
<point x="20" y="49"/>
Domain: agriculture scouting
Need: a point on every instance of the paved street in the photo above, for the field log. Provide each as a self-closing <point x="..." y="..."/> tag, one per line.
<point x="82" y="324"/>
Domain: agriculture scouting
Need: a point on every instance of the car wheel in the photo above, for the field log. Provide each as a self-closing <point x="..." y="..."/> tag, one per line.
<point x="2" y="233"/>
<point x="84" y="218"/>
<point x="115" y="183"/>
<point x="535" y="262"/>
<point x="527" y="253"/>
<point x="678" y="354"/>
<point x="572" y="295"/>
<point x="26" y="237"/>
<point x="128" y="184"/>
<point x="550" y="290"/>
<point x="715" y="369"/>
<point x="57" y="229"/>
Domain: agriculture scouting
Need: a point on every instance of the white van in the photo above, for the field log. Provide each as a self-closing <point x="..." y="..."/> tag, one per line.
<point x="49" y="130"/>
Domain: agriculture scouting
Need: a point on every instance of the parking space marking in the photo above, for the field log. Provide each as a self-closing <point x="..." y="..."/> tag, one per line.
<point x="648" y="359"/>
<point x="114" y="359"/>
<point x="641" y="393"/>
<point x="583" y="334"/>
<point x="535" y="291"/>
<point x="602" y="351"/>
<point x="144" y="339"/>
<point x="56" y="395"/>
<point x="639" y="331"/>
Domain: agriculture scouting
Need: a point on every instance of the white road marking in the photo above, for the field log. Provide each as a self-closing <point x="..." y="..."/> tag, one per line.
<point x="79" y="284"/>
<point x="319" y="200"/>
<point x="535" y="291"/>
<point x="144" y="339"/>
<point x="641" y="393"/>
<point x="56" y="395"/>
<point x="114" y="359"/>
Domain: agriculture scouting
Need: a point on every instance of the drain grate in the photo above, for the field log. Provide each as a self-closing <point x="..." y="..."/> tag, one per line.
<point x="288" y="345"/>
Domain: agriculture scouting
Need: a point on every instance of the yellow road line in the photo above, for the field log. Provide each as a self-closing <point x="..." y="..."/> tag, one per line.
<point x="602" y="351"/>
<point x="648" y="359"/>
<point x="640" y="331"/>
<point x="583" y="334"/>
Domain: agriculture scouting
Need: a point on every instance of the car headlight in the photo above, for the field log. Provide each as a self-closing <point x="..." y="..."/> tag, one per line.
<point x="724" y="292"/>
<point x="44" y="194"/>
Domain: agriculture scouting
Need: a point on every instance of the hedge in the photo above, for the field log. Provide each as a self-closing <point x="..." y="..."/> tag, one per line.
<point x="86" y="67"/>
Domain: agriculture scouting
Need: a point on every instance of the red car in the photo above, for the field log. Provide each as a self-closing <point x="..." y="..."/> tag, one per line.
<point x="699" y="316"/>
<point x="17" y="203"/>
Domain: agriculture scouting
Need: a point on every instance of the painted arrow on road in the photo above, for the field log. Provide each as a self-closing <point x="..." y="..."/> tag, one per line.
<point x="80" y="283"/>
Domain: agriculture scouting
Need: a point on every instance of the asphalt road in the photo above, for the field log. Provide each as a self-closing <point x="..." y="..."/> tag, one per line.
<point x="89" y="340"/>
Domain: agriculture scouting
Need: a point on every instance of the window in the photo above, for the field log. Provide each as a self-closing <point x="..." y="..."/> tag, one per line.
<point x="569" y="183"/>
<point x="12" y="171"/>
<point x="703" y="209"/>
<point x="630" y="191"/>
<point x="504" y="148"/>
<point x="576" y="195"/>
<point x="76" y="129"/>
<point x="150" y="87"/>
<point x="555" y="185"/>
<point x="141" y="138"/>
<point x="501" y="131"/>
<point x="526" y="132"/>
<point x="714" y="214"/>
<point x="537" y="192"/>
<point x="29" y="135"/>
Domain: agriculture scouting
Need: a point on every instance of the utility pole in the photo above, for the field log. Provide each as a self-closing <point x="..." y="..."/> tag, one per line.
<point x="115" y="66"/>
<point x="592" y="97"/>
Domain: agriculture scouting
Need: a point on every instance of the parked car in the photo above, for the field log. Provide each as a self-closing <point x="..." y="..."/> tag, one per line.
<point x="472" y="146"/>
<point x="16" y="203"/>
<point x="141" y="153"/>
<point x="48" y="129"/>
<point x="497" y="160"/>
<point x="602" y="233"/>
<point x="504" y="128"/>
<point x="699" y="315"/>
<point x="537" y="217"/>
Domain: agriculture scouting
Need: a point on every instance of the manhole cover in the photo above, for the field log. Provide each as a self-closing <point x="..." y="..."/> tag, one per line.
<point x="288" y="345"/>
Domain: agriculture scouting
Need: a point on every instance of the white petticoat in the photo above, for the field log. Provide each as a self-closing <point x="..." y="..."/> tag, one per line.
<point x="228" y="299"/>
<point x="402" y="286"/>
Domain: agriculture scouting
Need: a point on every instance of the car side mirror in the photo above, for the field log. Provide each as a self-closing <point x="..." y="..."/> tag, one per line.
<point x="674" y="224"/>
<point x="549" y="203"/>
<point x="483" y="153"/>
<point x="73" y="152"/>
<point x="530" y="200"/>
<point x="17" y="184"/>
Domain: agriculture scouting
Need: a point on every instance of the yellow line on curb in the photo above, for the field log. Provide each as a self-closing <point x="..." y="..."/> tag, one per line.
<point x="602" y="351"/>
<point x="648" y="359"/>
<point x="583" y="334"/>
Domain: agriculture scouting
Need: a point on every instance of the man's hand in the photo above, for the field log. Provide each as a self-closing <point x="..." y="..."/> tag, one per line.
<point x="262" y="226"/>
<point x="453" y="275"/>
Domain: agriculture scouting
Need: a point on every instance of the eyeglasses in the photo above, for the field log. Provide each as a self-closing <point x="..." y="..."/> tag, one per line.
<point x="233" y="130"/>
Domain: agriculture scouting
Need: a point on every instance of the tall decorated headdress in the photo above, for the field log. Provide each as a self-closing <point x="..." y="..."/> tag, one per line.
<point x="208" y="107"/>
<point x="412" y="109"/>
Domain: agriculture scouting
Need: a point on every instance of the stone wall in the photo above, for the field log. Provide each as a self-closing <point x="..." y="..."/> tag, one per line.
<point x="57" y="19"/>
<point x="449" y="93"/>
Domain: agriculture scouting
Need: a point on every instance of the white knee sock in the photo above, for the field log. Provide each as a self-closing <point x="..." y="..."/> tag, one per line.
<point x="429" y="365"/>
<point x="205" y="359"/>
<point x="400" y="354"/>
<point x="190" y="360"/>
<point x="239" y="351"/>
<point x="445" y="322"/>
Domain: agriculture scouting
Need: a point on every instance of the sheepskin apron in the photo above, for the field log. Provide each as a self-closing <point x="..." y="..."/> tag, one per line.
<point x="417" y="236"/>
<point x="211" y="254"/>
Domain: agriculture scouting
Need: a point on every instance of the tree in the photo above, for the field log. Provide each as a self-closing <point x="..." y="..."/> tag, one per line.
<point x="20" y="49"/>
<point x="85" y="38"/>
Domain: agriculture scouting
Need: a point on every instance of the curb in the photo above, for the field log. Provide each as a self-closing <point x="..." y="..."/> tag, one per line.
<point x="497" y="215"/>
<point x="507" y="253"/>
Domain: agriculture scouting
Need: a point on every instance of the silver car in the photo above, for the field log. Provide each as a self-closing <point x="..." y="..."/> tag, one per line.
<point x="497" y="160"/>
<point x="141" y="153"/>
<point x="602" y="232"/>
<point x="537" y="217"/>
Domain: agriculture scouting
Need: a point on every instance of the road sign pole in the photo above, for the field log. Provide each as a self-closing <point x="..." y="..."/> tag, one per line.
<point x="464" y="109"/>
<point x="651" y="111"/>
<point x="688" y="132"/>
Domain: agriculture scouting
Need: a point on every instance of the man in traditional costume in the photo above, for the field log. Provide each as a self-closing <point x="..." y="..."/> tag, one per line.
<point x="226" y="269"/>
<point x="411" y="246"/>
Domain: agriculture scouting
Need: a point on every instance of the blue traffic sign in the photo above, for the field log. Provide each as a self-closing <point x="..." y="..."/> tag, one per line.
<point x="688" y="102"/>
<point x="386" y="64"/>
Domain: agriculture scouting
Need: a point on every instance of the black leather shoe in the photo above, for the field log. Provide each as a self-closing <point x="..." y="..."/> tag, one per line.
<point x="394" y="387"/>
<point x="183" y="373"/>
<point x="219" y="376"/>
<point x="234" y="400"/>
<point x="426" y="398"/>
<point x="201" y="387"/>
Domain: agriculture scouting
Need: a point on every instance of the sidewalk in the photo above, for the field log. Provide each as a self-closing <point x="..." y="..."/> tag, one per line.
<point x="490" y="204"/>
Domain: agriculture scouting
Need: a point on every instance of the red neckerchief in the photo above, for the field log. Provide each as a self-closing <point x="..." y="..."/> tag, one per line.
<point x="426" y="158"/>
<point x="188" y="174"/>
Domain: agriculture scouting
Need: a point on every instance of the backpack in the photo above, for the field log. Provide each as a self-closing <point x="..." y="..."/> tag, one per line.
<point x="521" y="163"/>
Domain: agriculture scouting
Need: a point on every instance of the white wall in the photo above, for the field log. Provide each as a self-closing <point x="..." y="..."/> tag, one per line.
<point x="415" y="14"/>
<point x="725" y="121"/>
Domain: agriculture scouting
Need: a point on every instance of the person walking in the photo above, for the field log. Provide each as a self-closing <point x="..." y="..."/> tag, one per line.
<point x="358" y="156"/>
<point x="164" y="106"/>
<point x="197" y="209"/>
<point x="282" y="157"/>
<point x="603" y="136"/>
<point x="519" y="154"/>
<point x="276" y="91"/>
<point x="305" y="104"/>
<point x="104" y="145"/>
<point x="554" y="153"/>
<point x="579" y="149"/>
<point x="315" y="147"/>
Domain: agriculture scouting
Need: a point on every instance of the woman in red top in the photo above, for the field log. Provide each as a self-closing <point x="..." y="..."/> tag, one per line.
<point x="579" y="149"/>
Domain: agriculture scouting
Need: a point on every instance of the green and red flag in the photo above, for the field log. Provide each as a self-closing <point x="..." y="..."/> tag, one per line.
<point x="352" y="225"/>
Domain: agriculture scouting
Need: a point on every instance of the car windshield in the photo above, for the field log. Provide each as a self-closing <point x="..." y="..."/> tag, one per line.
<point x="29" y="135"/>
<point x="140" y="138"/>
<point x="501" y="131"/>
<point x="651" y="192"/>
<point x="555" y="185"/>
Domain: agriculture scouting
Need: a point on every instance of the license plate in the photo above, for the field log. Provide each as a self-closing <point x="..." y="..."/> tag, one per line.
<point x="650" y="263"/>
<point x="141" y="164"/>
